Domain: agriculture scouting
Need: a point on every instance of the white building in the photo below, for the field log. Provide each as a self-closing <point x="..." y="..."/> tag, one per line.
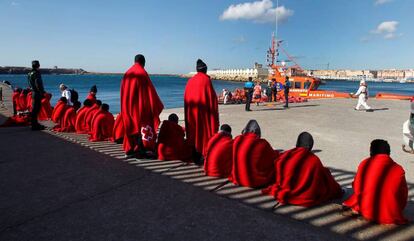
<point x="257" y="72"/>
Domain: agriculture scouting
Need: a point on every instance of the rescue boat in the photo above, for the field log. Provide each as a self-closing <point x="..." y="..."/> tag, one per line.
<point x="302" y="84"/>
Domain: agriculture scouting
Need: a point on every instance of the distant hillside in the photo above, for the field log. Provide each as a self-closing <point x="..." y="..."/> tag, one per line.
<point x="25" y="70"/>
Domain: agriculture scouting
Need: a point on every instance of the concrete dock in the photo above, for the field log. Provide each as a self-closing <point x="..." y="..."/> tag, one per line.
<point x="59" y="186"/>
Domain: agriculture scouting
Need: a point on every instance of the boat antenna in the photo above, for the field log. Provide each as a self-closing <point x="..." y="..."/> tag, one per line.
<point x="276" y="27"/>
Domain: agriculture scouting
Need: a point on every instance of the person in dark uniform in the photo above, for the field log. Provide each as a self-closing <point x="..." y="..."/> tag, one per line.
<point x="274" y="90"/>
<point x="36" y="84"/>
<point x="286" y="90"/>
<point x="248" y="88"/>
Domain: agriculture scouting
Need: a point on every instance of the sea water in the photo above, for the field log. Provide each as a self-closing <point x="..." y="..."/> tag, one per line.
<point x="171" y="88"/>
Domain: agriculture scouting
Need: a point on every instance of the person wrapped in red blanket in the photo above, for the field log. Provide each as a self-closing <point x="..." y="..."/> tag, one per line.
<point x="301" y="179"/>
<point x="140" y="109"/>
<point x="91" y="114"/>
<point x="92" y="94"/>
<point x="46" y="109"/>
<point x="103" y="125"/>
<point x="219" y="154"/>
<point x="253" y="158"/>
<point x="59" y="110"/>
<point x="380" y="189"/>
<point x="201" y="111"/>
<point x="16" y="99"/>
<point x="80" y="123"/>
<point x="171" y="144"/>
<point x="118" y="132"/>
<point x="68" y="121"/>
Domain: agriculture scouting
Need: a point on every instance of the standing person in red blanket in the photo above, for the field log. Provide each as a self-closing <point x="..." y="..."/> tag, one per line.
<point x="80" y="123"/>
<point x="103" y="125"/>
<point x="380" y="189"/>
<point x="92" y="94"/>
<point x="171" y="144"/>
<point x="253" y="158"/>
<point x="140" y="109"/>
<point x="219" y="154"/>
<point x="91" y="114"/>
<point x="45" y="109"/>
<point x="68" y="121"/>
<point x="301" y="179"/>
<point x="201" y="111"/>
<point x="59" y="110"/>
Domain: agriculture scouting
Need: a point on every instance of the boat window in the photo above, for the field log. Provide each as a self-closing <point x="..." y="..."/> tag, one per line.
<point x="298" y="85"/>
<point x="315" y="85"/>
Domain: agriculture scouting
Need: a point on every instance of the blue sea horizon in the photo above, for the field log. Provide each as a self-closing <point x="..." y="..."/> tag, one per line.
<point x="171" y="88"/>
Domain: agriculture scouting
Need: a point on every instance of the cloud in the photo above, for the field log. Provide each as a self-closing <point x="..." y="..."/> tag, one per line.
<point x="381" y="2"/>
<point x="387" y="29"/>
<point x="259" y="11"/>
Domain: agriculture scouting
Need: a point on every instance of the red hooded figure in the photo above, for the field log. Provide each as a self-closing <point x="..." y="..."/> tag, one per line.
<point x="68" y="121"/>
<point x="219" y="154"/>
<point x="118" y="132"/>
<point x="80" y="123"/>
<point x="46" y="109"/>
<point x="103" y="125"/>
<point x="253" y="158"/>
<point x="22" y="103"/>
<point x="59" y="110"/>
<point x="301" y="179"/>
<point x="201" y="109"/>
<point x="92" y="94"/>
<point x="90" y="114"/>
<point x="16" y="99"/>
<point x="29" y="100"/>
<point x="171" y="144"/>
<point x="380" y="189"/>
<point x="140" y="109"/>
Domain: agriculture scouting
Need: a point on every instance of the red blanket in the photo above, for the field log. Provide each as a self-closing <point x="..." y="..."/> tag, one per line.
<point x="380" y="191"/>
<point x="219" y="156"/>
<point x="91" y="97"/>
<point x="59" y="112"/>
<point x="253" y="161"/>
<point x="140" y="108"/>
<point x="46" y="109"/>
<point x="102" y="126"/>
<point x="89" y="116"/>
<point x="29" y="101"/>
<point x="171" y="144"/>
<point x="302" y="180"/>
<point x="80" y="123"/>
<point x="21" y="102"/>
<point x="201" y="111"/>
<point x="68" y="122"/>
<point x="118" y="132"/>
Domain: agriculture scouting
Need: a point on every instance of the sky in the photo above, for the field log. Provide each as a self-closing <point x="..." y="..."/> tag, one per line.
<point x="105" y="35"/>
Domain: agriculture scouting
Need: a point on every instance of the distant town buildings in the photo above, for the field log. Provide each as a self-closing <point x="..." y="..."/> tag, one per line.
<point x="257" y="72"/>
<point x="388" y="74"/>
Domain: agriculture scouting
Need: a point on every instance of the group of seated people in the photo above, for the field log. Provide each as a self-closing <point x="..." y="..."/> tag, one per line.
<point x="295" y="176"/>
<point x="93" y="118"/>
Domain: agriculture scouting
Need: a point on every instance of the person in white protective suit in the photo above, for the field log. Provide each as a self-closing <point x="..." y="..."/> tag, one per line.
<point x="408" y="132"/>
<point x="362" y="94"/>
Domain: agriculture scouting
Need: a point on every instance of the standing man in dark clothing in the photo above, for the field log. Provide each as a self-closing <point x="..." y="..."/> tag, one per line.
<point x="36" y="84"/>
<point x="248" y="89"/>
<point x="287" y="87"/>
<point x="274" y="90"/>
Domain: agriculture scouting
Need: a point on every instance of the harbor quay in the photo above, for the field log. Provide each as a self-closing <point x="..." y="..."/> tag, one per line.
<point x="60" y="186"/>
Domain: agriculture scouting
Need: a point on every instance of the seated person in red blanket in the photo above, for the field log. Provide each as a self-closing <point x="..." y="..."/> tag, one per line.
<point x="91" y="114"/>
<point x="46" y="109"/>
<point x="219" y="154"/>
<point x="380" y="189"/>
<point x="80" y="123"/>
<point x="59" y="110"/>
<point x="301" y="179"/>
<point x="171" y="144"/>
<point x="92" y="94"/>
<point x="253" y="158"/>
<point x="118" y="132"/>
<point x="103" y="125"/>
<point x="69" y="119"/>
